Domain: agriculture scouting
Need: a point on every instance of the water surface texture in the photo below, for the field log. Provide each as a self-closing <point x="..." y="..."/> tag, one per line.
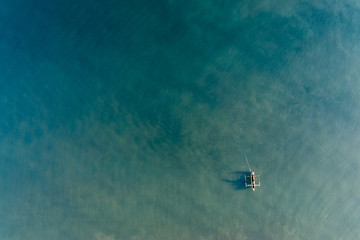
<point x="130" y="119"/>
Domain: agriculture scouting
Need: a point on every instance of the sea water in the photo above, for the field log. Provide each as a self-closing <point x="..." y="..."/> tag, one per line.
<point x="131" y="119"/>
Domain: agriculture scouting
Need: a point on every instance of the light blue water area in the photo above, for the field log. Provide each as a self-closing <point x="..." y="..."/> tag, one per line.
<point x="130" y="120"/>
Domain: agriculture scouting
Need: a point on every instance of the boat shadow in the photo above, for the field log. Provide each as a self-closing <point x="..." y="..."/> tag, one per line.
<point x="237" y="179"/>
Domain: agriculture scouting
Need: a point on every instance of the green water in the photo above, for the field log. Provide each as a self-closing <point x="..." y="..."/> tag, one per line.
<point x="130" y="120"/>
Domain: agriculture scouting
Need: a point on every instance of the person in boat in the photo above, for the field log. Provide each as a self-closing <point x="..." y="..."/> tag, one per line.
<point x="253" y="179"/>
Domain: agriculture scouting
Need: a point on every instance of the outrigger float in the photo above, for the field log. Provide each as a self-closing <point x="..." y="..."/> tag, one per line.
<point x="252" y="181"/>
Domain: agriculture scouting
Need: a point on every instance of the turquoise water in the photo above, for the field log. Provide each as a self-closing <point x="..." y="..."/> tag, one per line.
<point x="130" y="120"/>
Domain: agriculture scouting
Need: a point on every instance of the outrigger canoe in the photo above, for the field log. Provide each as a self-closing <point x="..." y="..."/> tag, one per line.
<point x="252" y="181"/>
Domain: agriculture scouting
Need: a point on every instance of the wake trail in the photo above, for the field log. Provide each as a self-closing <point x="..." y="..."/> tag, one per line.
<point x="247" y="161"/>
